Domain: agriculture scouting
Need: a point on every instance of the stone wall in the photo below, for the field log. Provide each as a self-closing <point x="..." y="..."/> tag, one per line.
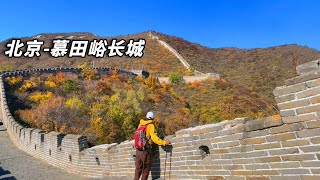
<point x="166" y="45"/>
<point x="277" y="147"/>
<point x="190" y="79"/>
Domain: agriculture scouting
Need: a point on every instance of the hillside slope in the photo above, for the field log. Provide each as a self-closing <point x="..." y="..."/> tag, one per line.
<point x="260" y="69"/>
<point x="156" y="57"/>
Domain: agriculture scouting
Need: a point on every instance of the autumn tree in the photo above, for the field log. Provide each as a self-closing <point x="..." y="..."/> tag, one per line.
<point x="152" y="81"/>
<point x="89" y="74"/>
<point x="176" y="78"/>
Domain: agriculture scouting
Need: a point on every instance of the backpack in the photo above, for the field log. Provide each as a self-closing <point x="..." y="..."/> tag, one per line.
<point x="140" y="138"/>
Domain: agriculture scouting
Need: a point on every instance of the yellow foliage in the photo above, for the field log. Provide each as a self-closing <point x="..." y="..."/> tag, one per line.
<point x="90" y="74"/>
<point x="115" y="97"/>
<point x="139" y="78"/>
<point x="173" y="93"/>
<point x="96" y="121"/>
<point x="97" y="127"/>
<point x="74" y="103"/>
<point x="14" y="80"/>
<point x="82" y="66"/>
<point x="151" y="81"/>
<point x="54" y="81"/>
<point x="97" y="109"/>
<point x="38" y="97"/>
<point x="27" y="85"/>
<point x="50" y="84"/>
<point x="187" y="73"/>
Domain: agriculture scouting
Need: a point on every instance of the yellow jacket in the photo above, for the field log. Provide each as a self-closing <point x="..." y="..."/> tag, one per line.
<point x="150" y="133"/>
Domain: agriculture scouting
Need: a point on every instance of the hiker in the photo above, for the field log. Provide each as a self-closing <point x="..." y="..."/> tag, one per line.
<point x="144" y="137"/>
<point x="318" y="62"/>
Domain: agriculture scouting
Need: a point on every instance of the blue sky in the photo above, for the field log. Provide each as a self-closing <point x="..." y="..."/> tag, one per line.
<point x="213" y="23"/>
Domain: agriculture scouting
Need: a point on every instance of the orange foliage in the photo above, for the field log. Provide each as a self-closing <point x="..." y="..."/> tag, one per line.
<point x="60" y="77"/>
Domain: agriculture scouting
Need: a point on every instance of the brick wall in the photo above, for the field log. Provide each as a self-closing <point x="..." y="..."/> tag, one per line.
<point x="277" y="147"/>
<point x="190" y="79"/>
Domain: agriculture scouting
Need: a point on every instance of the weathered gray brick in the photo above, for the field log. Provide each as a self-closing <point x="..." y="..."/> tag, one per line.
<point x="286" y="128"/>
<point x="228" y="144"/>
<point x="233" y="137"/>
<point x="307" y="149"/>
<point x="309" y="92"/>
<point x="284" y="151"/>
<point x="241" y="149"/>
<point x="293" y="104"/>
<point x="281" y="137"/>
<point x="310" y="164"/>
<point x="315" y="140"/>
<point x="267" y="146"/>
<point x="256" y="166"/>
<point x="283" y="165"/>
<point x="313" y="124"/>
<point x="252" y="141"/>
<point x="260" y="177"/>
<point x="285" y="178"/>
<point x="216" y="140"/>
<point x="241" y="173"/>
<point x="220" y="151"/>
<point x="289" y="89"/>
<point x="273" y="121"/>
<point x="294" y="171"/>
<point x="258" y="133"/>
<point x="267" y="159"/>
<point x="300" y="79"/>
<point x="300" y="157"/>
<point x="243" y="161"/>
<point x="254" y="125"/>
<point x="233" y="167"/>
<point x="287" y="113"/>
<point x="298" y="142"/>
<point x="215" y="178"/>
<point x="213" y="167"/>
<point x="285" y="98"/>
<point x="190" y="138"/>
<point x="315" y="100"/>
<point x="313" y="83"/>
<point x="308" y="109"/>
<point x="300" y="118"/>
<point x="266" y="172"/>
<point x="237" y="129"/>
<point x="255" y="154"/>
<point x="233" y="178"/>
<point x="308" y="133"/>
<point x="315" y="171"/>
<point x="221" y="161"/>
<point x="311" y="177"/>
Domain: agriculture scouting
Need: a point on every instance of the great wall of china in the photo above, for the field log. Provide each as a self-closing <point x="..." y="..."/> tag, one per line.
<point x="199" y="75"/>
<point x="271" y="148"/>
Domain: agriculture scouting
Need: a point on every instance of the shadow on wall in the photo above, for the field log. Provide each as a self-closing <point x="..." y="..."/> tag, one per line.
<point x="156" y="163"/>
<point x="2" y="128"/>
<point x="6" y="175"/>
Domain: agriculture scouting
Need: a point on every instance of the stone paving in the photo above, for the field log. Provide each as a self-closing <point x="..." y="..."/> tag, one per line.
<point x="16" y="164"/>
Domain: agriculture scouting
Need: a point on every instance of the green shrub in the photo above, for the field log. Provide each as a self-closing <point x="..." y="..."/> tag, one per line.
<point x="70" y="85"/>
<point x="176" y="78"/>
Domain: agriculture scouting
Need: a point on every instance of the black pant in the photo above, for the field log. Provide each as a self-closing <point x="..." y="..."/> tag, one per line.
<point x="143" y="164"/>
